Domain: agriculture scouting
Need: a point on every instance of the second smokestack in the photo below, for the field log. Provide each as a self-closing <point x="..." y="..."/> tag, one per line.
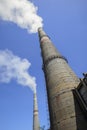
<point x="36" y="125"/>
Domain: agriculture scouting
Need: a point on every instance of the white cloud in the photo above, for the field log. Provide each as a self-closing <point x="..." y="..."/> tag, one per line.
<point x="13" y="67"/>
<point x="21" y="12"/>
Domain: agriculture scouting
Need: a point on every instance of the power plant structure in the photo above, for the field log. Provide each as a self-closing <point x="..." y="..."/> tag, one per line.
<point x="66" y="93"/>
<point x="36" y="125"/>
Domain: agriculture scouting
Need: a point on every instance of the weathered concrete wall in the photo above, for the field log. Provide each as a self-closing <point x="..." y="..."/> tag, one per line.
<point x="60" y="81"/>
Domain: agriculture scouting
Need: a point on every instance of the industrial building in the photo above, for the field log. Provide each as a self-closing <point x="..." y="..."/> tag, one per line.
<point x="66" y="93"/>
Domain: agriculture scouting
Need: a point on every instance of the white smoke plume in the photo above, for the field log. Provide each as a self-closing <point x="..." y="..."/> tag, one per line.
<point x="13" y="67"/>
<point x="21" y="12"/>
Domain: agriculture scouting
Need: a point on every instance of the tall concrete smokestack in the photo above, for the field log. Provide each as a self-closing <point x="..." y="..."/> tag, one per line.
<point x="36" y="125"/>
<point x="65" y="113"/>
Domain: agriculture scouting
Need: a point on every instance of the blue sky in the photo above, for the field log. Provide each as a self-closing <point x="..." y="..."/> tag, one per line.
<point x="66" y="24"/>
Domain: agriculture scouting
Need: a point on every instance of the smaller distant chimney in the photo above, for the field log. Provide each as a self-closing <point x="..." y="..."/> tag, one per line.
<point x="36" y="125"/>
